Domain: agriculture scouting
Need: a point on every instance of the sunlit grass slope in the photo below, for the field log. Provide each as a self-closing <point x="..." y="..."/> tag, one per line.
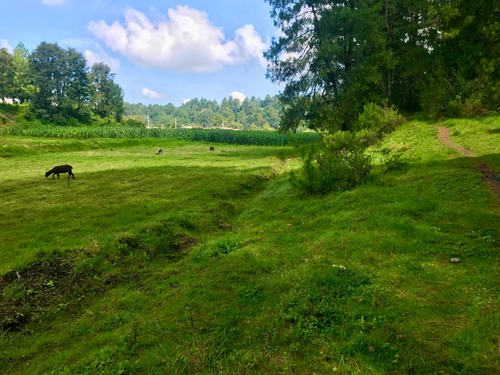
<point x="481" y="135"/>
<point x="355" y="282"/>
<point x="119" y="186"/>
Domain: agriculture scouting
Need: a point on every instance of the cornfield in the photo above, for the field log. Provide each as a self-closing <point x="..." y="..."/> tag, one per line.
<point x="242" y="137"/>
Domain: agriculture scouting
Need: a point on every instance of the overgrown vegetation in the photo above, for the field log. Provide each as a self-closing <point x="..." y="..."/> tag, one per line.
<point x="375" y="122"/>
<point x="341" y="161"/>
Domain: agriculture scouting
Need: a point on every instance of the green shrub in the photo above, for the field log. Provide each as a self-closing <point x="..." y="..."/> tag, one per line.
<point x="3" y="119"/>
<point x="455" y="97"/>
<point x="103" y="122"/>
<point x="70" y="121"/>
<point x="390" y="158"/>
<point x="376" y="121"/>
<point x="473" y="106"/>
<point x="12" y="109"/>
<point x="339" y="163"/>
<point x="132" y="121"/>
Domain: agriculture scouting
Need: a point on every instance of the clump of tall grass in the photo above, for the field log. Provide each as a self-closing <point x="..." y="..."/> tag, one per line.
<point x="213" y="136"/>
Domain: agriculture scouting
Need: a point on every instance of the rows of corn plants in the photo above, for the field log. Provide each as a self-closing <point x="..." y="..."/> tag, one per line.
<point x="241" y="137"/>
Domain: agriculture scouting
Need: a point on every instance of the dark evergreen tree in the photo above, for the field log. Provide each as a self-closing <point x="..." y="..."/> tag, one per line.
<point x="332" y="56"/>
<point x="335" y="56"/>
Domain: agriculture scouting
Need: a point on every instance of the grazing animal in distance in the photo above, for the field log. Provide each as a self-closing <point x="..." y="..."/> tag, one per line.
<point x="159" y="151"/>
<point x="60" y="169"/>
<point x="212" y="148"/>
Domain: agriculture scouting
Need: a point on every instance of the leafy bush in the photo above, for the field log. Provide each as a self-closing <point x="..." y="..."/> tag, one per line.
<point x="390" y="158"/>
<point x="339" y="163"/>
<point x="376" y="121"/>
<point x="103" y="122"/>
<point x="455" y="97"/>
<point x="70" y="121"/>
<point x="12" y="109"/>
<point x="3" y="119"/>
<point x="133" y="121"/>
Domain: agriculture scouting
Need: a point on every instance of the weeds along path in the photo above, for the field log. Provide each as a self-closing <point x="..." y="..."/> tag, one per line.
<point x="485" y="169"/>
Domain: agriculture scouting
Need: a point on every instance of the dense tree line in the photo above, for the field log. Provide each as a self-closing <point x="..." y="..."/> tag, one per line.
<point x="59" y="85"/>
<point x="442" y="56"/>
<point x="252" y="113"/>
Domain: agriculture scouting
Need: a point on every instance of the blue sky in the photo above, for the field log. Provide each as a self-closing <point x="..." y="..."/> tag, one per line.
<point x="162" y="51"/>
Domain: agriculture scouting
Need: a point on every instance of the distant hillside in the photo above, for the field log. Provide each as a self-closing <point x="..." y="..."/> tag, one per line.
<point x="253" y="113"/>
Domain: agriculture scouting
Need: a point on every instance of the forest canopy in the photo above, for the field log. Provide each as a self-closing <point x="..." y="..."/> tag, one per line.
<point x="61" y="89"/>
<point x="253" y="113"/>
<point x="334" y="57"/>
<point x="442" y="56"/>
<point x="59" y="85"/>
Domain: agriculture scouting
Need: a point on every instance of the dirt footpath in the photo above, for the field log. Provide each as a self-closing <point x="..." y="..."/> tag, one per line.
<point x="486" y="171"/>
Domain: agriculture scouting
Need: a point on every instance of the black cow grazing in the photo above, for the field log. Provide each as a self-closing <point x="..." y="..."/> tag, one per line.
<point x="159" y="151"/>
<point x="212" y="148"/>
<point x="60" y="169"/>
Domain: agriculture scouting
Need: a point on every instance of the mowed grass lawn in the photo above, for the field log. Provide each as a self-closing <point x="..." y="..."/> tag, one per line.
<point x="120" y="185"/>
<point x="354" y="282"/>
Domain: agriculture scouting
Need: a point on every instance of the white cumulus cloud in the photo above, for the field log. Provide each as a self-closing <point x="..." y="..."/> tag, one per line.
<point x="5" y="44"/>
<point x="51" y="3"/>
<point x="238" y="95"/>
<point x="101" y="55"/>
<point x="184" y="40"/>
<point x="250" y="44"/>
<point x="151" y="94"/>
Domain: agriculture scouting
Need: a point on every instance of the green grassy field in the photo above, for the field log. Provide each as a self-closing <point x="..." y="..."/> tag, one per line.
<point x="120" y="186"/>
<point x="199" y="262"/>
<point x="481" y="136"/>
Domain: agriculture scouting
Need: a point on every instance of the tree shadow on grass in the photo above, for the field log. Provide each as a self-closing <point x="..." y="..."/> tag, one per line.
<point x="457" y="183"/>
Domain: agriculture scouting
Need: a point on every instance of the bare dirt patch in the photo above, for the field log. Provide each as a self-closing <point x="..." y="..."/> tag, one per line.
<point x="57" y="280"/>
<point x="485" y="169"/>
<point x="27" y="292"/>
